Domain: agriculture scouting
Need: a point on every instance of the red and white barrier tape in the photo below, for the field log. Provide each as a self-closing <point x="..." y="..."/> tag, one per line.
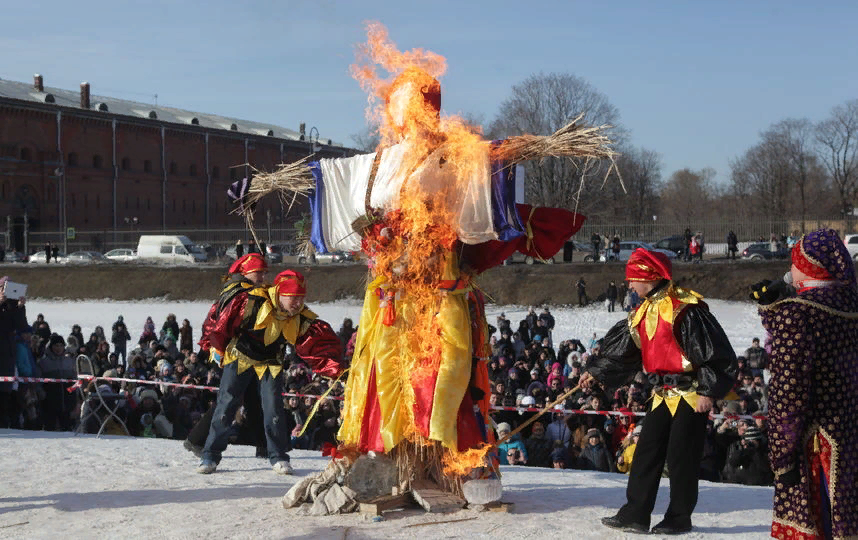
<point x="83" y="378"/>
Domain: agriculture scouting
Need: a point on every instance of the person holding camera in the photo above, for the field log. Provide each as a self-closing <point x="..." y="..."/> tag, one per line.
<point x="690" y="363"/>
<point x="812" y="406"/>
<point x="748" y="461"/>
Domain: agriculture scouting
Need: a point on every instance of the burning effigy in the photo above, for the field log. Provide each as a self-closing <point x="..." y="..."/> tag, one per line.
<point x="430" y="209"/>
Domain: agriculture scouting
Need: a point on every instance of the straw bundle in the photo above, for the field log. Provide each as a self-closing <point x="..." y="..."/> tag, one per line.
<point x="572" y="140"/>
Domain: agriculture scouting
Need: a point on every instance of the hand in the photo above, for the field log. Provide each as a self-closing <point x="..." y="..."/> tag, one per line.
<point x="766" y="292"/>
<point x="704" y="404"/>
<point x="586" y="380"/>
<point x="22" y="301"/>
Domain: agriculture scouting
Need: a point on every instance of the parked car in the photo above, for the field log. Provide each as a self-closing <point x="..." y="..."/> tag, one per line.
<point x="851" y="241"/>
<point x="759" y="251"/>
<point x="83" y="257"/>
<point x="121" y="255"/>
<point x="326" y="258"/>
<point x="628" y="247"/>
<point x="675" y="243"/>
<point x="39" y="258"/>
<point x="16" y="256"/>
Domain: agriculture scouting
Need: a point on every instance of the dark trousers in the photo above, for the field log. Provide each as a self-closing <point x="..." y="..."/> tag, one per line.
<point x="232" y="388"/>
<point x="678" y="440"/>
<point x="252" y="432"/>
<point x="611" y="303"/>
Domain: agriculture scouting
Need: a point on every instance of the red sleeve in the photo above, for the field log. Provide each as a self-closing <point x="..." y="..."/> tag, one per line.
<point x="320" y="347"/>
<point x="226" y="326"/>
<point x="208" y="324"/>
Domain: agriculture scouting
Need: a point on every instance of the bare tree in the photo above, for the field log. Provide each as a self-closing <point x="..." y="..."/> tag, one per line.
<point x="542" y="104"/>
<point x="837" y="146"/>
<point x="641" y="172"/>
<point x="794" y="138"/>
<point x="367" y="140"/>
<point x="687" y="194"/>
<point x="763" y="173"/>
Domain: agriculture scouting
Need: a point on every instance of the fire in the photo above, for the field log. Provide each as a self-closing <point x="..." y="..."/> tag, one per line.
<point x="443" y="159"/>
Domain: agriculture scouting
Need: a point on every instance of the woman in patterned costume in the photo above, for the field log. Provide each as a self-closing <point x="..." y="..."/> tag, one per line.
<point x="813" y="393"/>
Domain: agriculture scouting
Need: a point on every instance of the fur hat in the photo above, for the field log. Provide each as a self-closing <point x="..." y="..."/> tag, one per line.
<point x="504" y="427"/>
<point x="593" y="432"/>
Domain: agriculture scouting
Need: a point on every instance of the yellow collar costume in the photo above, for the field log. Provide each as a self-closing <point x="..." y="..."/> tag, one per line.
<point x="267" y="330"/>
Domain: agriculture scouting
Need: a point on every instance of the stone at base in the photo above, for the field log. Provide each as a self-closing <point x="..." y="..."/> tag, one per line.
<point x="482" y="491"/>
<point x="372" y="476"/>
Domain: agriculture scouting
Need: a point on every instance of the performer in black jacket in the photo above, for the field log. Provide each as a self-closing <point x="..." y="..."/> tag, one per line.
<point x="677" y="342"/>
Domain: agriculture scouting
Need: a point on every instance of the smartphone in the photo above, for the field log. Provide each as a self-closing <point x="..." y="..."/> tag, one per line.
<point x="14" y="291"/>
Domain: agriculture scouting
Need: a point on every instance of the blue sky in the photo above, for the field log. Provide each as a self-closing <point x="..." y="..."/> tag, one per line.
<point x="695" y="81"/>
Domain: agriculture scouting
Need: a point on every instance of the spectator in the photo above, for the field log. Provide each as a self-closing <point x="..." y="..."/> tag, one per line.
<point x="732" y="245"/>
<point x="538" y="446"/>
<point x="611" y="295"/>
<point x="757" y="359"/>
<point x="58" y="404"/>
<point x="148" y="333"/>
<point x="559" y="457"/>
<point x="531" y="319"/>
<point x="78" y="335"/>
<point x="558" y="430"/>
<point x="120" y="338"/>
<point x="596" y="241"/>
<point x="186" y="336"/>
<point x="688" y="237"/>
<point x="511" y="452"/>
<point x="170" y="328"/>
<point x="627" y="450"/>
<point x="346" y="331"/>
<point x="595" y="456"/>
<point x="615" y="247"/>
<point x="581" y="287"/>
<point x="747" y="460"/>
<point x="239" y="249"/>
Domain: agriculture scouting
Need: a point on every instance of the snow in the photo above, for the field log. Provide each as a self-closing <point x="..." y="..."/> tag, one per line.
<point x="116" y="487"/>
<point x="739" y="319"/>
<point x="119" y="487"/>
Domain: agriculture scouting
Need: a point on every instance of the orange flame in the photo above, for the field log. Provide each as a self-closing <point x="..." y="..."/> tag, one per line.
<point x="406" y="107"/>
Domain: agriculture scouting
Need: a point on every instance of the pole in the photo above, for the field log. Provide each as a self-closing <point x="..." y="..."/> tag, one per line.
<point x="26" y="233"/>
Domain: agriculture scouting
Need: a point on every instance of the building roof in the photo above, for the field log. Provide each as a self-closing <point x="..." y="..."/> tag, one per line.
<point x="135" y="109"/>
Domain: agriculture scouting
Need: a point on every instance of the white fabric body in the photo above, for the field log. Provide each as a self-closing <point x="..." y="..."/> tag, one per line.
<point x="345" y="181"/>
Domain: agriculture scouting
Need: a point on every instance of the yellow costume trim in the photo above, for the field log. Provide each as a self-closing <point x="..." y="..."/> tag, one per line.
<point x="274" y="322"/>
<point x="660" y="307"/>
<point x="672" y="397"/>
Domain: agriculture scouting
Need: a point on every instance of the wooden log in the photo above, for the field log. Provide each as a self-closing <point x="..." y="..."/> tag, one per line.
<point x="433" y="499"/>
<point x="388" y="502"/>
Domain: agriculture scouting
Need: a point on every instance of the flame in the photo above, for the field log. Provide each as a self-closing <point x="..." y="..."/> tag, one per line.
<point x="406" y="106"/>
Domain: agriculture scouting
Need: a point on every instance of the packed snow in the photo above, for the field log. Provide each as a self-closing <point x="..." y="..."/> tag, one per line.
<point x="117" y="487"/>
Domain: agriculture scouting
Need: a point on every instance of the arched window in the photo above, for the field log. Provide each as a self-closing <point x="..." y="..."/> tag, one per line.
<point x="72" y="160"/>
<point x="126" y="164"/>
<point x="147" y="165"/>
<point x="192" y="170"/>
<point x="97" y="162"/>
<point x="174" y="169"/>
<point x="215" y="172"/>
<point x="26" y="154"/>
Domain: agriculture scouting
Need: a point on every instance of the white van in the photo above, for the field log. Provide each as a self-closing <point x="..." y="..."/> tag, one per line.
<point x="178" y="249"/>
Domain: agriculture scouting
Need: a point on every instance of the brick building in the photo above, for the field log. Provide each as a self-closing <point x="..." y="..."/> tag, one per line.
<point x="113" y="160"/>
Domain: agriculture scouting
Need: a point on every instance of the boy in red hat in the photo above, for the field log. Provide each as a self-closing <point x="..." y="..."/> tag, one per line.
<point x="677" y="342"/>
<point x="250" y="341"/>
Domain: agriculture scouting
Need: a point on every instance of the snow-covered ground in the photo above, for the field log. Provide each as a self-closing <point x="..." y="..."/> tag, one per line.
<point x="118" y="487"/>
<point x="57" y="484"/>
<point x="739" y="319"/>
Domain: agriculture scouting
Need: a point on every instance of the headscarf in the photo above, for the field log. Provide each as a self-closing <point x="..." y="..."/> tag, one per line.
<point x="645" y="265"/>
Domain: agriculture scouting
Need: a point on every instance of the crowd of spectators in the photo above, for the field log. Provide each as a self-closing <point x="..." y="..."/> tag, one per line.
<point x="527" y="370"/>
<point x="165" y="355"/>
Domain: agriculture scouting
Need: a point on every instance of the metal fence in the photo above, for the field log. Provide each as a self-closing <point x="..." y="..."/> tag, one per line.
<point x="219" y="239"/>
<point x="106" y="239"/>
<point x="713" y="231"/>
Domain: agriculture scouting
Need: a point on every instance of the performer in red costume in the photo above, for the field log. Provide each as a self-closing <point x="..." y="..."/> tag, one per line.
<point x="249" y="340"/>
<point x="245" y="273"/>
<point x="674" y="338"/>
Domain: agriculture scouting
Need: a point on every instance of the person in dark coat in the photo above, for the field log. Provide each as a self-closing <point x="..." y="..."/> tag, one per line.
<point x="55" y="251"/>
<point x="13" y="317"/>
<point x="120" y="337"/>
<point x="538" y="447"/>
<point x="748" y="460"/>
<point x="813" y="390"/>
<point x="48" y="252"/>
<point x="689" y="360"/>
<point x="595" y="456"/>
<point x="57" y="363"/>
<point x="611" y="294"/>
<point x="581" y="287"/>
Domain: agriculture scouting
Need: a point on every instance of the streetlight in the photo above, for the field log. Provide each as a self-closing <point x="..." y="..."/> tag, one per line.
<point x="61" y="187"/>
<point x="314" y="141"/>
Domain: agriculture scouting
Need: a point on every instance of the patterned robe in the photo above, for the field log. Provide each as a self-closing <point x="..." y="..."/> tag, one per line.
<point x="813" y="404"/>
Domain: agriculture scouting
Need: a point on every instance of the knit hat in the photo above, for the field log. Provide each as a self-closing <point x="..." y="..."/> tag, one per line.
<point x="56" y="338"/>
<point x="504" y="427"/>
<point x="528" y="401"/>
<point x="753" y="433"/>
<point x="593" y="432"/>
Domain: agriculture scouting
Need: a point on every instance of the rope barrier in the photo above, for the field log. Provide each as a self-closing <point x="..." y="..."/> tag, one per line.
<point x="521" y="410"/>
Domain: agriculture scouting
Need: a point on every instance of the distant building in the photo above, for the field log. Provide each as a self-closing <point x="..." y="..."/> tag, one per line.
<point x="114" y="160"/>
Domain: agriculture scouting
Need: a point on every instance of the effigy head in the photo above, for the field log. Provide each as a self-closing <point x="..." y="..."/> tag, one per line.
<point x="413" y="102"/>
